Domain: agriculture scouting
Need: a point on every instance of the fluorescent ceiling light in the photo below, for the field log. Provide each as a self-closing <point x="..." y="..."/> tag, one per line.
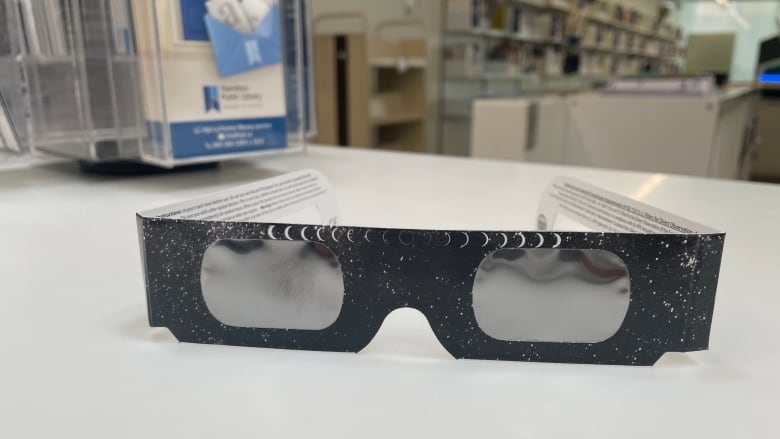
<point x="725" y="4"/>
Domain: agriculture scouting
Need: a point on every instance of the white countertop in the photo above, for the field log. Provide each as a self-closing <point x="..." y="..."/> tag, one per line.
<point x="78" y="359"/>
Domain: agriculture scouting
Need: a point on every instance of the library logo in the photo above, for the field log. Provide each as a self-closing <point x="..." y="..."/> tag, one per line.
<point x="211" y="98"/>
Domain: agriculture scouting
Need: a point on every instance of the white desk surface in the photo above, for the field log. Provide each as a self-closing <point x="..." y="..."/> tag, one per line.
<point x="78" y="360"/>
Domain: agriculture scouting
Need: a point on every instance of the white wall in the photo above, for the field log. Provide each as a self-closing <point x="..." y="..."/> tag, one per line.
<point x="710" y="17"/>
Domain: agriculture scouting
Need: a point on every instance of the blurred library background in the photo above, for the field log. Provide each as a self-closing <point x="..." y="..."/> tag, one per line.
<point x="680" y="87"/>
<point x="589" y="83"/>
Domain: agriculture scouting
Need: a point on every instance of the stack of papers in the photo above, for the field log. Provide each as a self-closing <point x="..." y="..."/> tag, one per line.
<point x="44" y="27"/>
<point x="122" y="27"/>
<point x="48" y="33"/>
<point x="9" y="140"/>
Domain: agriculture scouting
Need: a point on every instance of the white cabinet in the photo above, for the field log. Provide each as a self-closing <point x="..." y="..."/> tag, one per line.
<point x="767" y="158"/>
<point x="705" y="136"/>
<point x="520" y="129"/>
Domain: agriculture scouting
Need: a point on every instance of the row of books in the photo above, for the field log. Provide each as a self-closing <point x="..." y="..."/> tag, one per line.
<point x="599" y="35"/>
<point x="471" y="62"/>
<point x="514" y="18"/>
<point x="548" y="19"/>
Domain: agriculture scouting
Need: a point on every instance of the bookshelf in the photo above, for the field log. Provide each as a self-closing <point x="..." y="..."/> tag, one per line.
<point x="398" y="102"/>
<point x="371" y="89"/>
<point x="505" y="48"/>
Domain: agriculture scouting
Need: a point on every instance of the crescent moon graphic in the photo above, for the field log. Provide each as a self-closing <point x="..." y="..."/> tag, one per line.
<point x="319" y="235"/>
<point x="367" y="238"/>
<point x="303" y="233"/>
<point x="541" y="240"/>
<point x="349" y="236"/>
<point x="467" y="240"/>
<point x="558" y="239"/>
<point x="271" y="232"/>
<point x="333" y="234"/>
<point x="287" y="233"/>
<point x="506" y="240"/>
<point x="487" y="239"/>
<point x="449" y="239"/>
<point x="522" y="244"/>
<point x="384" y="237"/>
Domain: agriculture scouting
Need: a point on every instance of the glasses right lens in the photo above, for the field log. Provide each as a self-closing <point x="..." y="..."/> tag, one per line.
<point x="543" y="295"/>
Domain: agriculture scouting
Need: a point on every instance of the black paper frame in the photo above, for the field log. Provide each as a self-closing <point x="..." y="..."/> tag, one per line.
<point x="673" y="285"/>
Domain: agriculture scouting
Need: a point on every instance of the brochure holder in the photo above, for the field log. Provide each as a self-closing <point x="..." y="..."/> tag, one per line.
<point x="94" y="80"/>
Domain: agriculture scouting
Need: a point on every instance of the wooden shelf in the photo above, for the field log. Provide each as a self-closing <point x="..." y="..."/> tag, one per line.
<point x="384" y="103"/>
<point x="398" y="119"/>
<point x="394" y="63"/>
<point x="398" y="105"/>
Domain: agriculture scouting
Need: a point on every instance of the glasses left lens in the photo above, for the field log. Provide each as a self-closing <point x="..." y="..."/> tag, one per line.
<point x="268" y="284"/>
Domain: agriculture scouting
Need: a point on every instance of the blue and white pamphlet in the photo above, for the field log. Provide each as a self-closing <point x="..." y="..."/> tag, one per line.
<point x="222" y="77"/>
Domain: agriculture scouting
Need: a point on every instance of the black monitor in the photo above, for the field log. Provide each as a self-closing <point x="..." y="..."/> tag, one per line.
<point x="769" y="61"/>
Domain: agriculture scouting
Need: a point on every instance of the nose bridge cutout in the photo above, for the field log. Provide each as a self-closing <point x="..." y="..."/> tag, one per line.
<point x="406" y="334"/>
